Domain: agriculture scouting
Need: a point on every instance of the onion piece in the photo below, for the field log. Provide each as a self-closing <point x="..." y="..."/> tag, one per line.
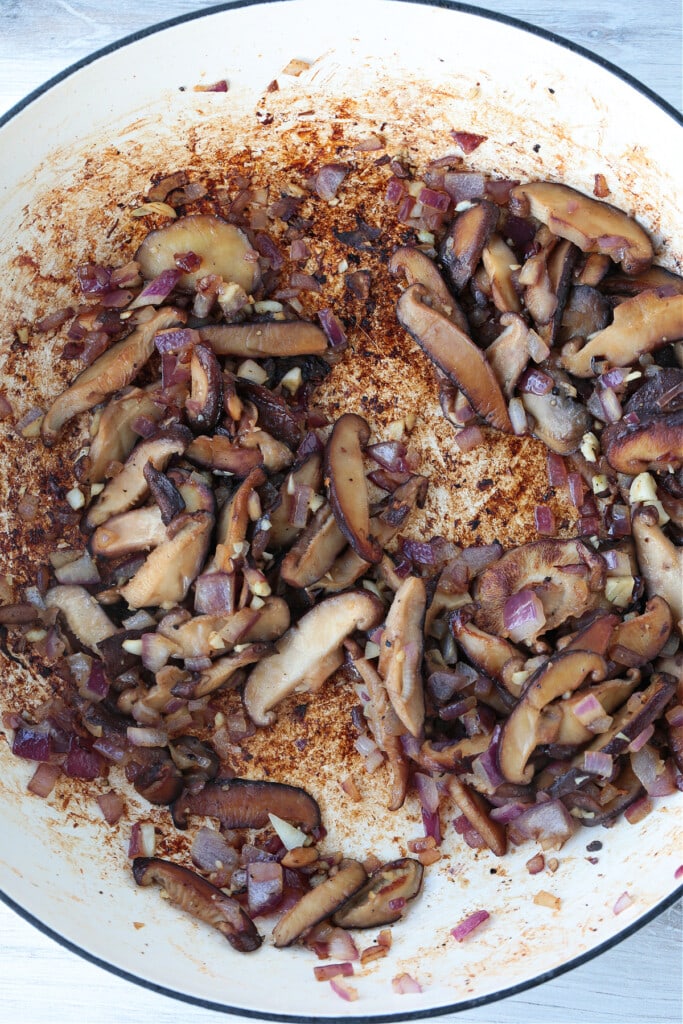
<point x="523" y="615"/>
<point x="469" y="924"/>
<point x="112" y="806"/>
<point x="43" y="780"/>
<point x="325" y="972"/>
<point x="405" y="984"/>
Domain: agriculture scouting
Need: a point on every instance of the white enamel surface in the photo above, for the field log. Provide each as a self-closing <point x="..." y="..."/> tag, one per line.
<point x="506" y="96"/>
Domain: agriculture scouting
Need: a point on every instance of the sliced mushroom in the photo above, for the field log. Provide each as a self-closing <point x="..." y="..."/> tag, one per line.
<point x="475" y="809"/>
<point x="655" y="444"/>
<point x="660" y="394"/>
<point x="111" y="372"/>
<point x="455" y="354"/>
<point x="314" y="552"/>
<point x="382" y="899"/>
<point x="558" y="419"/>
<point x="114" y="437"/>
<point x="383" y="722"/>
<point x="309" y="652"/>
<point x="205" y="403"/>
<point x="452" y="756"/>
<point x="509" y="354"/>
<point x="494" y="655"/>
<point x="261" y="340"/>
<point x="462" y="247"/>
<point x="592" y="225"/>
<point x="234" y="520"/>
<point x="309" y="473"/>
<point x="84" y="616"/>
<point x="159" y="781"/>
<point x="137" y="530"/>
<point x="165" y="577"/>
<point x="212" y="635"/>
<point x="610" y="694"/>
<point x="130" y="486"/>
<point x="499" y="262"/>
<point x="247" y="803"/>
<point x="546" y="278"/>
<point x="319" y="903"/>
<point x="348" y="491"/>
<point x="224" y="669"/>
<point x="194" y="894"/>
<point x="400" y="659"/>
<point x="538" y="566"/>
<point x="660" y="561"/>
<point x="586" y="312"/>
<point x="170" y="501"/>
<point x="594" y="636"/>
<point x="348" y="567"/>
<point x="563" y="673"/>
<point x="220" y="453"/>
<point x="591" y="812"/>
<point x="223" y="248"/>
<point x="653" y="277"/>
<point x="417" y="268"/>
<point x="641" y="324"/>
<point x="639" y="640"/>
<point x="274" y="414"/>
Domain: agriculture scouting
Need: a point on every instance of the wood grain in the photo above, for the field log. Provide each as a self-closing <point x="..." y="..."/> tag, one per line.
<point x="639" y="980"/>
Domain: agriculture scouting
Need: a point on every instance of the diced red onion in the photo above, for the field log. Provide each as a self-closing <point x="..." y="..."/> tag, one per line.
<point x="577" y="488"/>
<point x="623" y="903"/>
<point x="118" y="298"/>
<point x="264" y="887"/>
<point x="597" y="762"/>
<point x="332" y="326"/>
<point x="468" y="141"/>
<point x="95" y="343"/>
<point x="435" y="199"/>
<point x="156" y="650"/>
<point x="588" y="709"/>
<point x="158" y="290"/>
<point x="535" y="382"/>
<point x="112" y="806"/>
<point x="341" y="945"/>
<point x="610" y="404"/>
<point x="28" y="418"/>
<point x="470" y="437"/>
<point x="418" y="551"/>
<point x="656" y="776"/>
<point x="175" y="340"/>
<point x="549" y="823"/>
<point x="638" y="810"/>
<point x="82" y="763"/>
<point x="328" y="179"/>
<point x="479" y="556"/>
<point x="304" y="282"/>
<point x="214" y="594"/>
<point x="404" y="984"/>
<point x="93" y="279"/>
<point x="300" y="505"/>
<point x="641" y="739"/>
<point x="469" y="924"/>
<point x="427" y="791"/>
<point x="389" y="454"/>
<point x="614" y="377"/>
<point x="464" y="185"/>
<point x="544" y="520"/>
<point x="535" y="864"/>
<point x="523" y="615"/>
<point x="395" y="191"/>
<point x="54" y="320"/>
<point x="6" y="410"/>
<point x="588" y="526"/>
<point x="82" y="571"/>
<point x="96" y="687"/>
<point x="142" y="840"/>
<point x="33" y="742"/>
<point x="43" y="780"/>
<point x="324" y="972"/>
<point x="674" y="717"/>
<point x="498" y="190"/>
<point x="344" y="991"/>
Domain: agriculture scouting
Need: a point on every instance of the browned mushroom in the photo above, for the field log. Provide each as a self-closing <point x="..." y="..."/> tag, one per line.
<point x="233" y="521"/>
<point x="348" y="491"/>
<point x="307" y="474"/>
<point x="165" y="577"/>
<point x="462" y="246"/>
<point x="247" y="803"/>
<point x="382" y="899"/>
<point x="546" y="278"/>
<point x="417" y="268"/>
<point x="655" y="444"/>
<point x="639" y="640"/>
<point x="400" y="658"/>
<point x="130" y="487"/>
<point x="610" y="695"/>
<point x="159" y="781"/>
<point x="113" y="437"/>
<point x="475" y="809"/>
<point x="510" y="352"/>
<point x="586" y="312"/>
<point x="595" y="635"/>
<point x="260" y="340"/>
<point x="170" y="501"/>
<point x="314" y="552"/>
<point x="641" y="324"/>
<point x="220" y="453"/>
<point x="558" y="418"/>
<point x="494" y="655"/>
<point x="591" y="811"/>
<point x="659" y="394"/>
<point x="224" y="669"/>
<point x="205" y="403"/>
<point x="137" y="530"/>
<point x="660" y="561"/>
<point x="111" y="372"/>
<point x="653" y="277"/>
<point x="539" y="566"/>
<point x="223" y="248"/>
<point x="309" y="652"/>
<point x="455" y="354"/>
<point x="189" y="891"/>
<point x="274" y="414"/>
<point x="84" y="616"/>
<point x="319" y="903"/>
<point x="499" y="262"/>
<point x="563" y="673"/>
<point x="592" y="225"/>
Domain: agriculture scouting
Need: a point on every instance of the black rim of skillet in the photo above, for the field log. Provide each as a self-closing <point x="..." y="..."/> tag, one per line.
<point x="465" y="1004"/>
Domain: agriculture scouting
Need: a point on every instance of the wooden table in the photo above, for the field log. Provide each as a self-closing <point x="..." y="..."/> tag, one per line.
<point x="638" y="981"/>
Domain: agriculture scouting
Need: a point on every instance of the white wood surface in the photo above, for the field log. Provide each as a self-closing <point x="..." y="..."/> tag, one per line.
<point x="641" y="979"/>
